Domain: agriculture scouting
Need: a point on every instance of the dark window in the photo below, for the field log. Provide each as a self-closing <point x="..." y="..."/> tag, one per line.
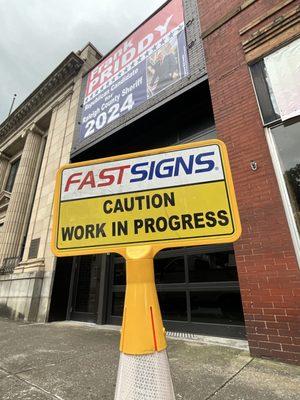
<point x="173" y="305"/>
<point x="119" y="273"/>
<point x="12" y="176"/>
<point x="118" y="304"/>
<point x="34" y="248"/>
<point x="217" y="307"/>
<point x="287" y="141"/>
<point x="266" y="100"/>
<point x="216" y="267"/>
<point x="87" y="285"/>
<point x="197" y="290"/>
<point x="169" y="270"/>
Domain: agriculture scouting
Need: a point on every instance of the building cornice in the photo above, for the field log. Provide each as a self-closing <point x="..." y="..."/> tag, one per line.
<point x="66" y="70"/>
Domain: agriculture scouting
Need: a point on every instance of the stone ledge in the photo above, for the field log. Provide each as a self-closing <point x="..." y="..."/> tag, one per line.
<point x="22" y="276"/>
<point x="31" y="265"/>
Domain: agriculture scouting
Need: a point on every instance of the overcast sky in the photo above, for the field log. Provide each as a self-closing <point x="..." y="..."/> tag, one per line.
<point x="37" y="35"/>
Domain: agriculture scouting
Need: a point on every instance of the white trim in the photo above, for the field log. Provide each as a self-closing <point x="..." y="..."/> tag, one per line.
<point x="284" y="194"/>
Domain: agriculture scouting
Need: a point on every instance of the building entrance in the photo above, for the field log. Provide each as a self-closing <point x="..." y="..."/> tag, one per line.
<point x="197" y="288"/>
<point x="85" y="284"/>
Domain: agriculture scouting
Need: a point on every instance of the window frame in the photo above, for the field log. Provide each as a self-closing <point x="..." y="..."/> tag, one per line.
<point x="283" y="190"/>
<point x="262" y="94"/>
<point x="212" y="328"/>
<point x="12" y="161"/>
<point x="271" y="120"/>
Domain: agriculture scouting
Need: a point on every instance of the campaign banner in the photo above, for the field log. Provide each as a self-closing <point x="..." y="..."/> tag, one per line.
<point x="176" y="196"/>
<point x="146" y="63"/>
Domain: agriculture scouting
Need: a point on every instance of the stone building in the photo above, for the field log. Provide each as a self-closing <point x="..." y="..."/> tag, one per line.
<point x="34" y="141"/>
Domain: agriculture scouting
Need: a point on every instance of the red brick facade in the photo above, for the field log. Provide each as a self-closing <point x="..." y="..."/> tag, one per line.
<point x="269" y="274"/>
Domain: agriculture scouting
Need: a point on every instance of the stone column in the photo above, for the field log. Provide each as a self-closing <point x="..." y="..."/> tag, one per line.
<point x="11" y="234"/>
<point x="3" y="168"/>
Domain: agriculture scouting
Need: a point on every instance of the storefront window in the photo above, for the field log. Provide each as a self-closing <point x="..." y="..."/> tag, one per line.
<point x="119" y="272"/>
<point x="217" y="307"/>
<point x="287" y="141"/>
<point x="197" y="290"/>
<point x="169" y="270"/>
<point x="282" y="67"/>
<point x="87" y="285"/>
<point x="12" y="176"/>
<point x="277" y="86"/>
<point x="173" y="305"/>
<point x="277" y="83"/>
<point x="213" y="267"/>
<point x="118" y="304"/>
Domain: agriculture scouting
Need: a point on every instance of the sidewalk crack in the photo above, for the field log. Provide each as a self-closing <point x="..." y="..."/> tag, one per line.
<point x="228" y="380"/>
<point x="10" y="374"/>
<point x="38" y="387"/>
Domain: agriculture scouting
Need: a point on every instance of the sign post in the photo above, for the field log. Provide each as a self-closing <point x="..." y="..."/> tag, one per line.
<point x="136" y="205"/>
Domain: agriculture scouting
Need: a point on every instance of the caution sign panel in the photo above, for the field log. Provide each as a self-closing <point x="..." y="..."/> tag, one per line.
<point x="175" y="196"/>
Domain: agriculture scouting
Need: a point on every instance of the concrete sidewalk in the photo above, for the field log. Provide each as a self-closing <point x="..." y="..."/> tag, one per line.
<point x="74" y="361"/>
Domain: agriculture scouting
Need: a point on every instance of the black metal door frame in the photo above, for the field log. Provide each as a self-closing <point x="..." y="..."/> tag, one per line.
<point x="214" y="329"/>
<point x="72" y="314"/>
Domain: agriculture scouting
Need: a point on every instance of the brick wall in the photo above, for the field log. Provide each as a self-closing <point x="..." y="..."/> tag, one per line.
<point x="268" y="271"/>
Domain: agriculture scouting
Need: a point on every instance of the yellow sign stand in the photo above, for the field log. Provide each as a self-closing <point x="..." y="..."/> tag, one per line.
<point x="141" y="308"/>
<point x="136" y="205"/>
<point x="144" y="371"/>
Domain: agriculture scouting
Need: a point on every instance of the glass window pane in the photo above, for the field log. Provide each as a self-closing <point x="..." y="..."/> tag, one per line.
<point x="173" y="305"/>
<point x="217" y="307"/>
<point x="119" y="271"/>
<point x="264" y="96"/>
<point x="272" y="97"/>
<point x="283" y="71"/>
<point x="169" y="270"/>
<point x="212" y="267"/>
<point x="12" y="176"/>
<point x="88" y="284"/>
<point x="287" y="139"/>
<point x="118" y="304"/>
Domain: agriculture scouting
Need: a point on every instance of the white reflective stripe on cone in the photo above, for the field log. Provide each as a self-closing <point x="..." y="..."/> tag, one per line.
<point x="144" y="377"/>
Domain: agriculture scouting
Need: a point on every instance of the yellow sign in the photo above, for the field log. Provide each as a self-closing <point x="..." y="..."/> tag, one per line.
<point x="175" y="196"/>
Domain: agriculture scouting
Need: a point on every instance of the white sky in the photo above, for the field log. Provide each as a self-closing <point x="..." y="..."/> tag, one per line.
<point x="37" y="35"/>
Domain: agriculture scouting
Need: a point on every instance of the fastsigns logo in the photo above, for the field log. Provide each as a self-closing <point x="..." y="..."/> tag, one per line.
<point x="143" y="173"/>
